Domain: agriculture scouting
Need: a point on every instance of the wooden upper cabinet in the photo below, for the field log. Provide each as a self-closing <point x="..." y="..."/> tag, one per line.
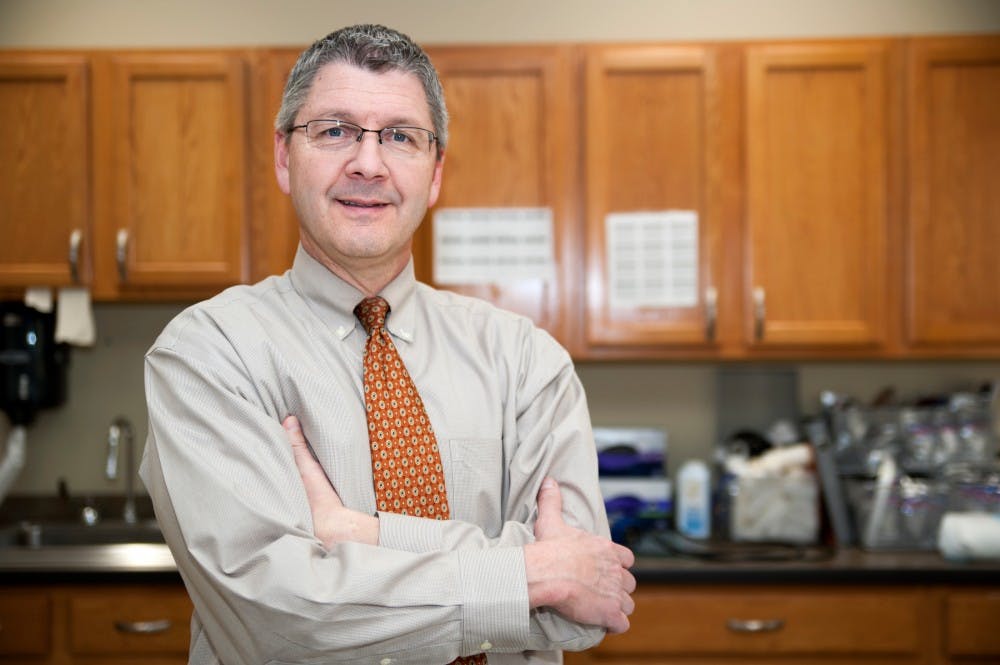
<point x="817" y="180"/>
<point x="952" y="233"/>
<point x="45" y="171"/>
<point x="513" y="142"/>
<point x="171" y="137"/>
<point x="275" y="235"/>
<point x="660" y="135"/>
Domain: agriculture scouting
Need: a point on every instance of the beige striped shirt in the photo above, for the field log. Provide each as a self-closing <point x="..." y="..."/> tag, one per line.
<point x="507" y="409"/>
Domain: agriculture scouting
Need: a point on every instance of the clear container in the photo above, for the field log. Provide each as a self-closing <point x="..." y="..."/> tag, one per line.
<point x="911" y="516"/>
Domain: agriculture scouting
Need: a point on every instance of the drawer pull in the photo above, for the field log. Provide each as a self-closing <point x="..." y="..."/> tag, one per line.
<point x="143" y="627"/>
<point x="75" y="238"/>
<point x="759" y="312"/>
<point x="121" y="254"/>
<point x="755" y="625"/>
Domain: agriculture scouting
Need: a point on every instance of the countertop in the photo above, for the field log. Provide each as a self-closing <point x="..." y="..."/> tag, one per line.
<point x="845" y="566"/>
<point x="664" y="558"/>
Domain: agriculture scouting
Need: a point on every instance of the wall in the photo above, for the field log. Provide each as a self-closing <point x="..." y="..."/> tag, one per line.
<point x="106" y="380"/>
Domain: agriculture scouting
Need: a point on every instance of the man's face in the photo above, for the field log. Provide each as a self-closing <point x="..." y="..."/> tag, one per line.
<point x="358" y="208"/>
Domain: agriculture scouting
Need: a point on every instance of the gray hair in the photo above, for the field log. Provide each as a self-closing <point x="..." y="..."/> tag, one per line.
<point x="375" y="48"/>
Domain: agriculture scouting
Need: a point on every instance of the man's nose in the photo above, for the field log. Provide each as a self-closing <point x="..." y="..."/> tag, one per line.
<point x="367" y="159"/>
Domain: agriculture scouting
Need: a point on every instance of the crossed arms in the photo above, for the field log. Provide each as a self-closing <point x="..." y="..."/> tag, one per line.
<point x="582" y="576"/>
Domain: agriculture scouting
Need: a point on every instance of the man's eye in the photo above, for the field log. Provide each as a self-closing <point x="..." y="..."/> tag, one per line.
<point x="398" y="136"/>
<point x="333" y="132"/>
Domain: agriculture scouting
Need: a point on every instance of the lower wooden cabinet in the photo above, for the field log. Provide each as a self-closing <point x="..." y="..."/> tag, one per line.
<point x="95" y="624"/>
<point x="972" y="624"/>
<point x="119" y="624"/>
<point x="833" y="625"/>
<point x="25" y="624"/>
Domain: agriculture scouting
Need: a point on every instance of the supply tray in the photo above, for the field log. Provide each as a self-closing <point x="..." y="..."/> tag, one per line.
<point x="945" y="458"/>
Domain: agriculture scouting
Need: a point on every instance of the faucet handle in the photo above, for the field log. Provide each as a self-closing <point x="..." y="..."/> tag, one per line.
<point x="114" y="443"/>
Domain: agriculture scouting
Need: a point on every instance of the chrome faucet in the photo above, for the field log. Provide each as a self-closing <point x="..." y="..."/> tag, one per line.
<point x="121" y="433"/>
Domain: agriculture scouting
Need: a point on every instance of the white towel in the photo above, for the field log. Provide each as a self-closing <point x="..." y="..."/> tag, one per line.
<point x="75" y="317"/>
<point x="39" y="297"/>
<point x="965" y="536"/>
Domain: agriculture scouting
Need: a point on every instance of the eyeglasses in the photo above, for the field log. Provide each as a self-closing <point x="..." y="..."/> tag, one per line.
<point x="329" y="134"/>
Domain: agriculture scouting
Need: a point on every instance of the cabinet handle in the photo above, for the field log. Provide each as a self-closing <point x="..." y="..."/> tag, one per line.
<point x="143" y="627"/>
<point x="121" y="253"/>
<point x="755" y="625"/>
<point x="759" y="312"/>
<point x="711" y="312"/>
<point x="75" y="239"/>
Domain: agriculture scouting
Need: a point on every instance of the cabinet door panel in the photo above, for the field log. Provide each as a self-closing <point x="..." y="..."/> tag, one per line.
<point x="25" y="623"/>
<point x="817" y="145"/>
<point x="953" y="234"/>
<point x="512" y="143"/>
<point x="275" y="226"/>
<point x="44" y="175"/>
<point x="972" y="623"/>
<point x="654" y="142"/>
<point x="178" y="170"/>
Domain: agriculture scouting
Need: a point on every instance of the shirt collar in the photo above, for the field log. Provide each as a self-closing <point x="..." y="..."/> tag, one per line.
<point x="334" y="300"/>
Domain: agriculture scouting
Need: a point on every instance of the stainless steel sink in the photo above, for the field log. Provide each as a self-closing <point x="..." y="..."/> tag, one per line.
<point x="61" y="534"/>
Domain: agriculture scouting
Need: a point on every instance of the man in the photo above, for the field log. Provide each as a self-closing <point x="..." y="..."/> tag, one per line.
<point x="293" y="553"/>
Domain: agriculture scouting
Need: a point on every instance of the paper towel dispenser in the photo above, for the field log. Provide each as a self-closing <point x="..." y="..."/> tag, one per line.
<point x="33" y="366"/>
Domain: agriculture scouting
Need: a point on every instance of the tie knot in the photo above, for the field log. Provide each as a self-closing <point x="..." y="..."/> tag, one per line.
<point x="371" y="313"/>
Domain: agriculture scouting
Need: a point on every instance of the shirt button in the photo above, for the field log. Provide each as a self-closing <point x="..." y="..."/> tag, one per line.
<point x="486" y="646"/>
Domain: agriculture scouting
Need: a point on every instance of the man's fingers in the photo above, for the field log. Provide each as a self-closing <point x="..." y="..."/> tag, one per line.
<point x="625" y="556"/>
<point x="550" y="520"/>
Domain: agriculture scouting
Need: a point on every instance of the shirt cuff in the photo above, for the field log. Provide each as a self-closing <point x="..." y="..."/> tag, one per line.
<point x="494" y="589"/>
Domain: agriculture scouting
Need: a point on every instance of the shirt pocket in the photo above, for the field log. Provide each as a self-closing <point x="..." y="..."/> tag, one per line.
<point x="475" y="482"/>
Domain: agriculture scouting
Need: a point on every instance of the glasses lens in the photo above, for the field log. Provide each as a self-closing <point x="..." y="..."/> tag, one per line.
<point x="407" y="140"/>
<point x="332" y="133"/>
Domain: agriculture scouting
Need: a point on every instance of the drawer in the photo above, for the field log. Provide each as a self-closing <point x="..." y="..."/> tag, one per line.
<point x="25" y="623"/>
<point x="138" y="621"/>
<point x="972" y="623"/>
<point x="761" y="620"/>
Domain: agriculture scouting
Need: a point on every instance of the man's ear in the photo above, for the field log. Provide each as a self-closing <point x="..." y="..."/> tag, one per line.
<point x="281" y="161"/>
<point x="436" y="181"/>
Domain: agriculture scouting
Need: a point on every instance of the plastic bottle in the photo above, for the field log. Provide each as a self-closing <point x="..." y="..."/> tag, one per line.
<point x="694" y="502"/>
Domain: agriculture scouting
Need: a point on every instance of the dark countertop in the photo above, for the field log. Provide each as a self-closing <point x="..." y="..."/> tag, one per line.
<point x="667" y="561"/>
<point x="845" y="566"/>
<point x="848" y="566"/>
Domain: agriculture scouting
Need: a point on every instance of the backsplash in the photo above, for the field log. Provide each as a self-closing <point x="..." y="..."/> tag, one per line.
<point x="105" y="381"/>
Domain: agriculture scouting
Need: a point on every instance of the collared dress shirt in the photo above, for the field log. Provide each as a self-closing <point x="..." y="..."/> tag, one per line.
<point x="507" y="409"/>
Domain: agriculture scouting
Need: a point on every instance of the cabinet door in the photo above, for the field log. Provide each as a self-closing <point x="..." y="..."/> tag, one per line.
<point x="972" y="623"/>
<point x="171" y="135"/>
<point x="953" y="229"/>
<point x="275" y="235"/>
<point x="512" y="143"/>
<point x="44" y="175"/>
<point x="818" y="139"/>
<point x="658" y="137"/>
<point x="25" y="623"/>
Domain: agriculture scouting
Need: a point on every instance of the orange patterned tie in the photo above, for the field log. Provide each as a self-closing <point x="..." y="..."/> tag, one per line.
<point x="406" y="463"/>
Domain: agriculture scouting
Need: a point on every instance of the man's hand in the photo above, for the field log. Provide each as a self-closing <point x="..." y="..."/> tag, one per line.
<point x="582" y="576"/>
<point x="332" y="522"/>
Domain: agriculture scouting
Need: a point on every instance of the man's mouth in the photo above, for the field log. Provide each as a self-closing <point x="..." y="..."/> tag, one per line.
<point x="361" y="204"/>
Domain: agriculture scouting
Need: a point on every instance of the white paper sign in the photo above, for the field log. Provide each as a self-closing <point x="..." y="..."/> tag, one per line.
<point x="652" y="258"/>
<point x="493" y="245"/>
